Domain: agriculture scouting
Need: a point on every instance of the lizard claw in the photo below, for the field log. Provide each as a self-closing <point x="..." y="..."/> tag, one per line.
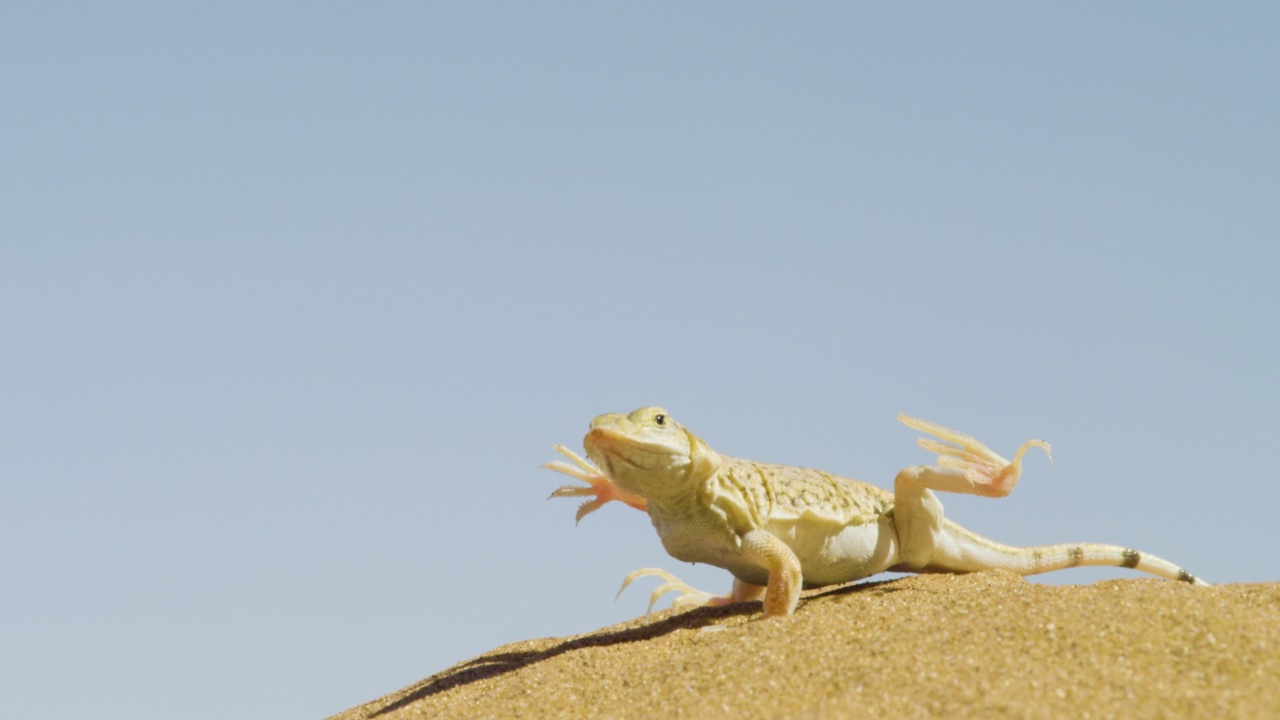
<point x="598" y="486"/>
<point x="991" y="474"/>
<point x="689" y="597"/>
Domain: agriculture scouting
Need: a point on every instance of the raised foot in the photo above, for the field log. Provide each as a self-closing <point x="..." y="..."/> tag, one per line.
<point x="689" y="597"/>
<point x="600" y="487"/>
<point x="990" y="474"/>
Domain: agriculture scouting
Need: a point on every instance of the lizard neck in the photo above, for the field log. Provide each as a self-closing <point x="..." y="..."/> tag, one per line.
<point x="691" y="528"/>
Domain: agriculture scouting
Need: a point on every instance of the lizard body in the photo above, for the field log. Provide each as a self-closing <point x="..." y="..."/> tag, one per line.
<point x="779" y="528"/>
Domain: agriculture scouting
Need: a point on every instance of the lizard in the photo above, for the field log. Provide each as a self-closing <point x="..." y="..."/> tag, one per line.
<point x="778" y="529"/>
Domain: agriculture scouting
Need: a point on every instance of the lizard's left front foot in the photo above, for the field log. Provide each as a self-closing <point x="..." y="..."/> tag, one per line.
<point x="598" y="485"/>
<point x="987" y="473"/>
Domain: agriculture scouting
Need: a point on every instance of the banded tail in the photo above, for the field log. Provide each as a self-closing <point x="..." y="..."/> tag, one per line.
<point x="974" y="552"/>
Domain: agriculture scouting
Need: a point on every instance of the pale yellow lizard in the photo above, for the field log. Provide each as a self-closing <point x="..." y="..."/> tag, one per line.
<point x="779" y="528"/>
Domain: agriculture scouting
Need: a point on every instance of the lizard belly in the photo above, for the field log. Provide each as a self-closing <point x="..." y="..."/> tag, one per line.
<point x="830" y="555"/>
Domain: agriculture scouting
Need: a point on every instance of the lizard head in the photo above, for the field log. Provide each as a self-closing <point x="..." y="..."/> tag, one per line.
<point x="648" y="453"/>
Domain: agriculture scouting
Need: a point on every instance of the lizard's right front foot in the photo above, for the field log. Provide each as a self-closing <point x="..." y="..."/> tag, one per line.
<point x="598" y="485"/>
<point x="688" y="599"/>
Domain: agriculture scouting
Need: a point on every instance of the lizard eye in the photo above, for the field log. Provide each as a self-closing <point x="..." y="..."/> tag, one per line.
<point x="660" y="419"/>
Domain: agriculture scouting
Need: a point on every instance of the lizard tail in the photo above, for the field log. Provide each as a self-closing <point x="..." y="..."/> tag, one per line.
<point x="974" y="552"/>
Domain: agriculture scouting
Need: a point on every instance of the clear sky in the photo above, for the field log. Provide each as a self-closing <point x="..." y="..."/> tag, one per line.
<point x="296" y="298"/>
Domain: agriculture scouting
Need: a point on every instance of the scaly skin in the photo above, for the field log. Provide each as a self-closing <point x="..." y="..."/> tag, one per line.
<point x="779" y="528"/>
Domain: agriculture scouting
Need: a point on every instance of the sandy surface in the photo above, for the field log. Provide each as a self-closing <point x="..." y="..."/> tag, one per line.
<point x="983" y="645"/>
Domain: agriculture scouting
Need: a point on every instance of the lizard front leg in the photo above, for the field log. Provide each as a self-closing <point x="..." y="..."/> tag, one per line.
<point x="598" y="485"/>
<point x="760" y="547"/>
<point x="785" y="580"/>
<point x="964" y="466"/>
<point x="689" y="597"/>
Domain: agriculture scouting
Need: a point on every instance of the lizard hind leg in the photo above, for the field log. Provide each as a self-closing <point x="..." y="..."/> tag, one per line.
<point x="965" y="465"/>
<point x="983" y="472"/>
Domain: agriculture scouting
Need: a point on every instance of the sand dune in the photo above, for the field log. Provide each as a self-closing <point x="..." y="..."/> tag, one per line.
<point x="983" y="645"/>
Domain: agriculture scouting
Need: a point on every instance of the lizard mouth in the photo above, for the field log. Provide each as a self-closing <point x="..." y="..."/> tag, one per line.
<point x="610" y="449"/>
<point x="606" y="438"/>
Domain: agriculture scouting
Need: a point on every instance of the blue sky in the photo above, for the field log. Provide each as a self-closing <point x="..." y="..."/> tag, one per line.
<point x="295" y="299"/>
